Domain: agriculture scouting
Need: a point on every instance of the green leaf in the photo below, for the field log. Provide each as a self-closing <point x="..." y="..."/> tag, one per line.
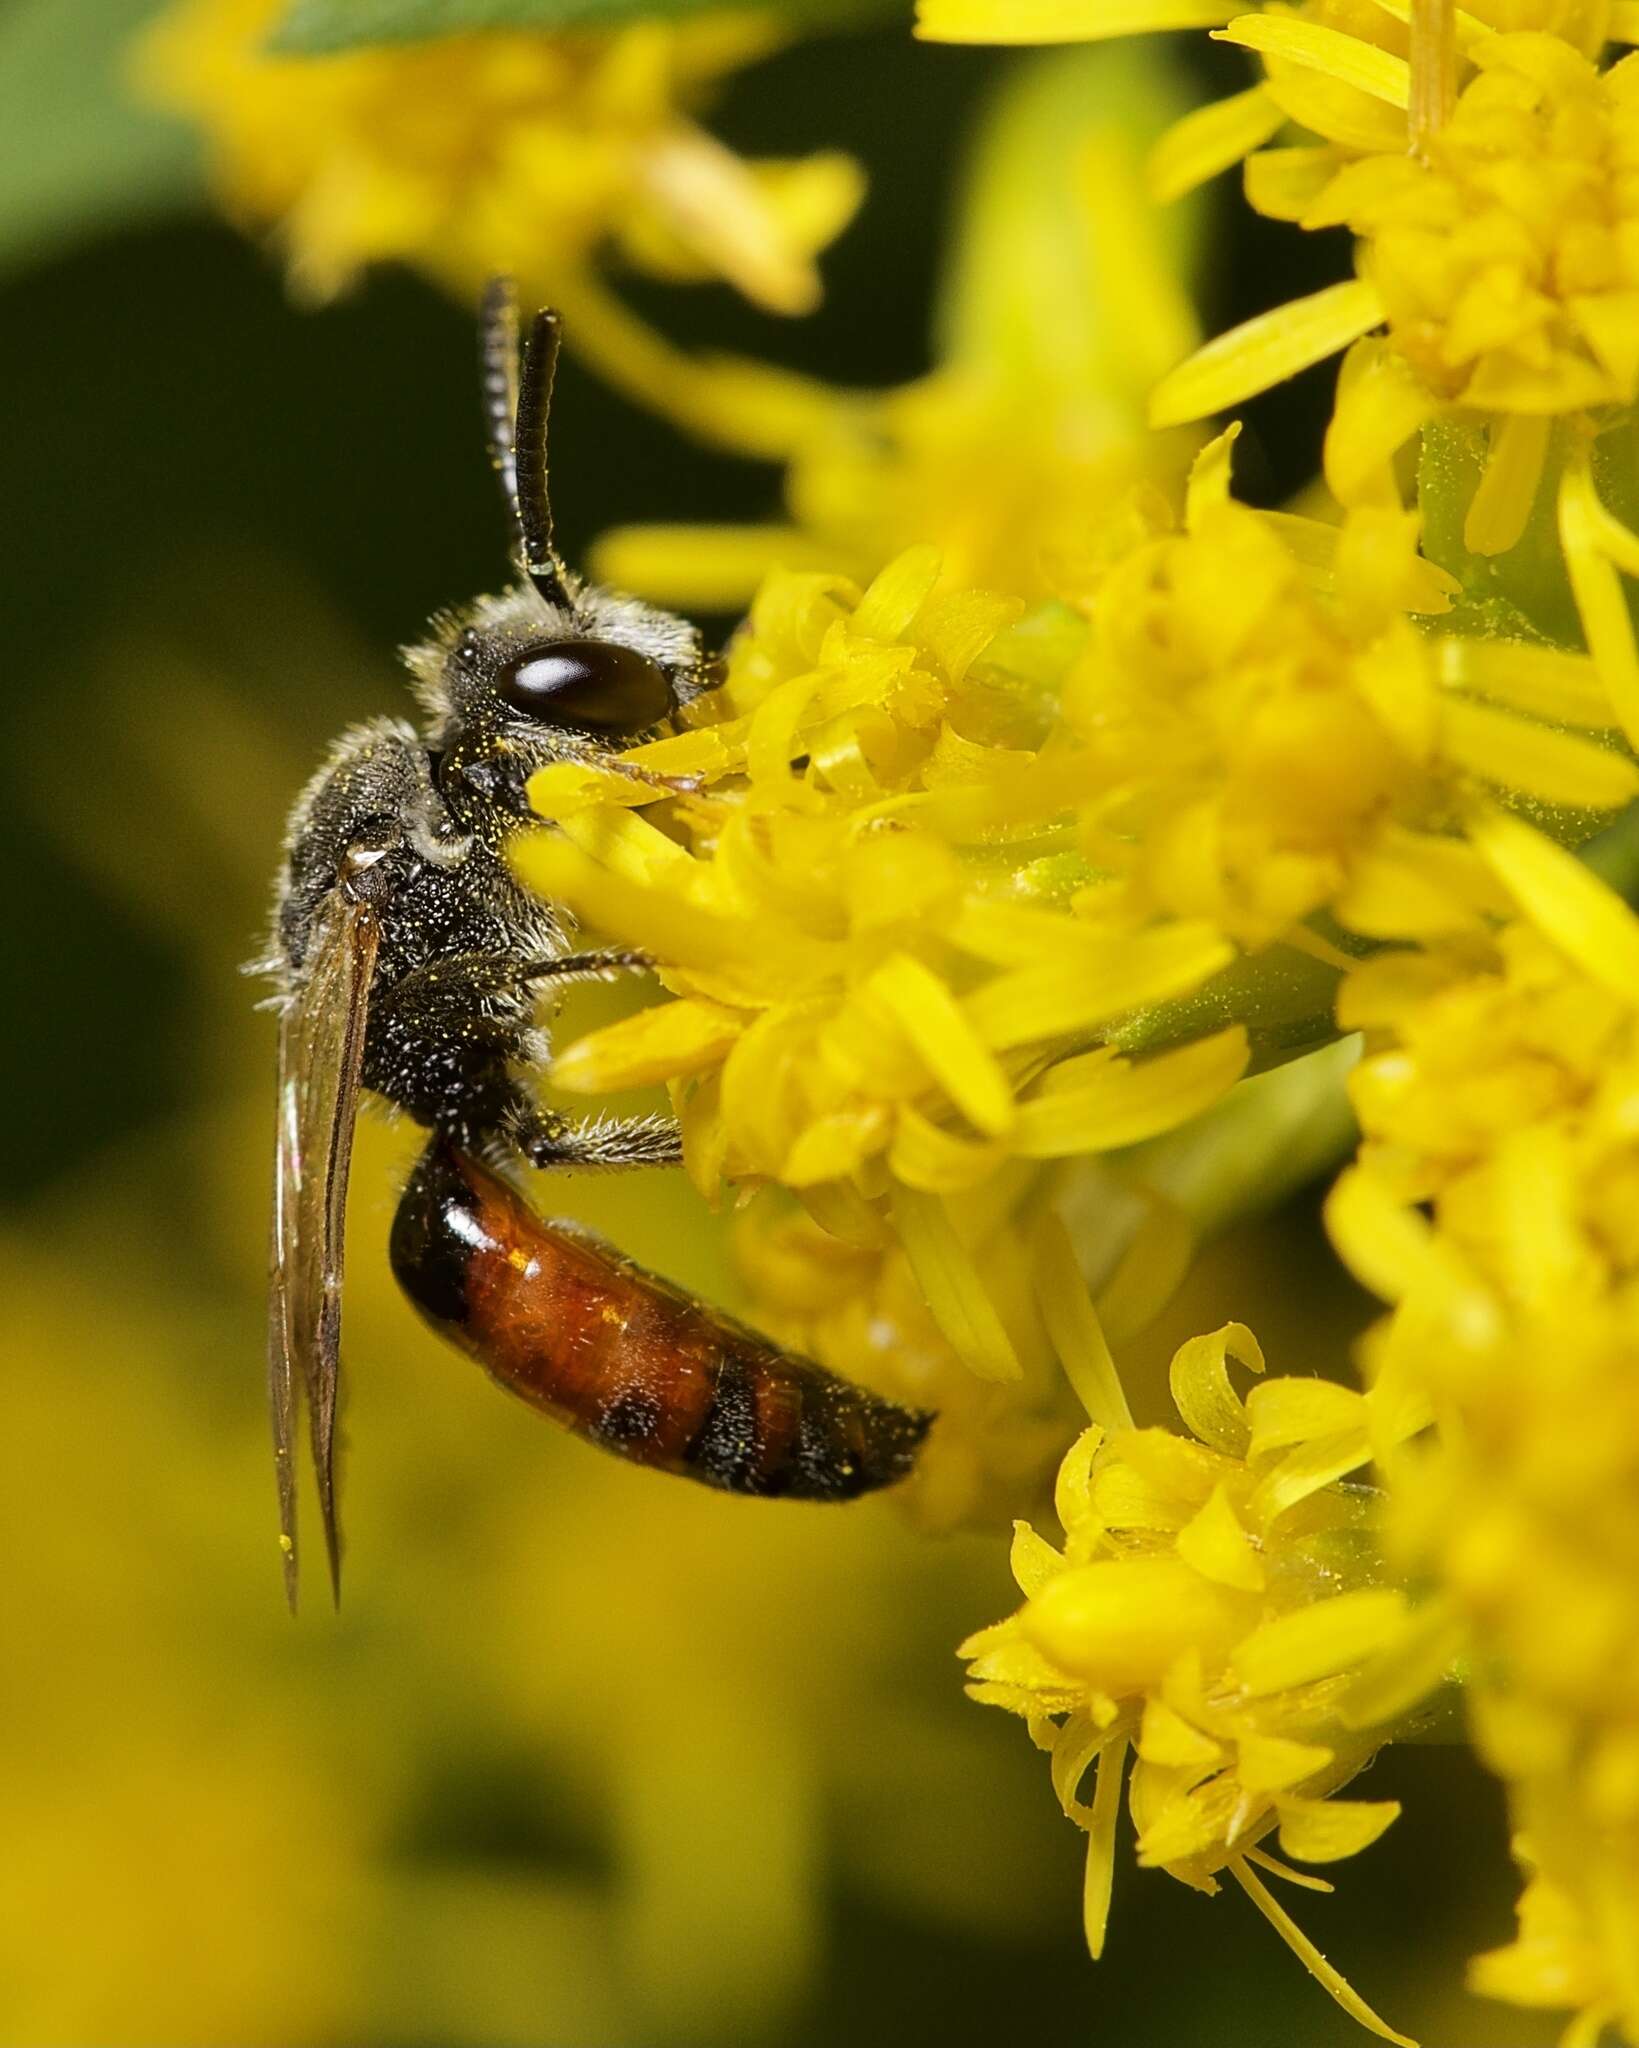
<point x="310" y="28"/>
<point x="78" y="155"/>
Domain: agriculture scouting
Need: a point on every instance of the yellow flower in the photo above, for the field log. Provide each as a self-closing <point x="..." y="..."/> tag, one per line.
<point x="512" y="151"/>
<point x="1214" y="1607"/>
<point x="1499" y="1087"/>
<point x="877" y="930"/>
<point x="1499" y="254"/>
<point x="1503" y="258"/>
<point x="1351" y="72"/>
<point x="1507" y="262"/>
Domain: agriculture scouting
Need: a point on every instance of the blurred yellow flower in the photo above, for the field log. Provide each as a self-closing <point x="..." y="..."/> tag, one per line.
<point x="496" y="151"/>
<point x="1066" y="296"/>
<point x="1215" y="1604"/>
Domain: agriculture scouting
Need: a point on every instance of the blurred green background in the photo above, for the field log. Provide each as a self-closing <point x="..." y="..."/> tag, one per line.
<point x="588" y="1757"/>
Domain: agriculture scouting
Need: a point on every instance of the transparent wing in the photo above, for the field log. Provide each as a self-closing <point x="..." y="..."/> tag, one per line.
<point x="321" y="1059"/>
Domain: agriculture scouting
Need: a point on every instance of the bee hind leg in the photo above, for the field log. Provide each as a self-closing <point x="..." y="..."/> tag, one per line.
<point x="606" y="1143"/>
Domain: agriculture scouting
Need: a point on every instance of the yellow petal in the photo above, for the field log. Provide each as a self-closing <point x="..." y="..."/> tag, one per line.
<point x="835" y="1145"/>
<point x="1214" y="1542"/>
<point x="1209" y="140"/>
<point x="1407" y="1668"/>
<point x="1073" y="1326"/>
<point x="1284" y="183"/>
<point x="956" y="1296"/>
<point x="630" y="846"/>
<point x="1058" y="997"/>
<point x="1165" y="1737"/>
<point x="1100" y="1877"/>
<point x="1415" y="885"/>
<point x="1059" y="21"/>
<point x="1077" y="1745"/>
<point x="1380" y="404"/>
<point x="701" y="568"/>
<point x="1307" y="1470"/>
<point x="721" y="210"/>
<point x="1533" y="760"/>
<point x="1264" y="351"/>
<point x="1324" y="1830"/>
<point x="895" y="596"/>
<point x="924" y="1155"/>
<point x="1203" y="1393"/>
<point x="1127" y="1101"/>
<point x="661" y="1044"/>
<point x="1394" y="1251"/>
<point x="1318" y="1641"/>
<point x="934" y="1022"/>
<point x="1348" y="59"/>
<point x="1507" y="489"/>
<point x="1584" y="918"/>
<point x="1295" y="1411"/>
<point x="663" y="925"/>
<point x="1033" y="1560"/>
<point x="1272" y="1763"/>
<point x="1584" y="535"/>
<point x="1543" y="682"/>
<point x="1209" y="476"/>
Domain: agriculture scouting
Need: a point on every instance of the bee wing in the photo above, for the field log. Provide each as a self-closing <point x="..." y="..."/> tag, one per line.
<point x="321" y="1059"/>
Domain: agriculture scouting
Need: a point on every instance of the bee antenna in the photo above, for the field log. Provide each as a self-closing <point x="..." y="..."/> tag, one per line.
<point x="498" y="368"/>
<point x="542" y="563"/>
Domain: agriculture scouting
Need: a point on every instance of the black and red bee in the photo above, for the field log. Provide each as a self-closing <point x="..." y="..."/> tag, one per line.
<point x="409" y="962"/>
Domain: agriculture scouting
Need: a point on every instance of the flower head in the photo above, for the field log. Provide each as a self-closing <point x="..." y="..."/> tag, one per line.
<point x="1507" y="257"/>
<point x="1214" y="1604"/>
<point x="501" y="150"/>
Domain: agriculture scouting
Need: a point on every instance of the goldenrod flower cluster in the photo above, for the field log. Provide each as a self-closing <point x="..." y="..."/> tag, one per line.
<point x="1485" y="160"/>
<point x="965" y="893"/>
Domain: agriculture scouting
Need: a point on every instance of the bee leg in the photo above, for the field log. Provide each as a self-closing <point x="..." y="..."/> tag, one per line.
<point x="599" y="966"/>
<point x="545" y="1140"/>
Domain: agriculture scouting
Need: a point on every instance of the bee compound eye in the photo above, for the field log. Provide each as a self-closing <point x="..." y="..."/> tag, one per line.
<point x="594" y="683"/>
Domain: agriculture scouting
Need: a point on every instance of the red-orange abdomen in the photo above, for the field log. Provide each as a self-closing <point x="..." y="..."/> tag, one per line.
<point x="627" y="1359"/>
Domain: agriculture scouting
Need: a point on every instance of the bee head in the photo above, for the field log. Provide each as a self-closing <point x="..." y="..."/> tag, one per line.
<point x="549" y="679"/>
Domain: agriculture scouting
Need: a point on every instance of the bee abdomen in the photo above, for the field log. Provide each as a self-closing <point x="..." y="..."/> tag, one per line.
<point x="625" y="1358"/>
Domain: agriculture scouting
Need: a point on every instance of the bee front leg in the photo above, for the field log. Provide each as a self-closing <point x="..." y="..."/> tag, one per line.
<point x="602" y="965"/>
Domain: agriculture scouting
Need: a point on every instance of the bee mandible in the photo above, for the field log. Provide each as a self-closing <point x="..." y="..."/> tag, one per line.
<point x="409" y="963"/>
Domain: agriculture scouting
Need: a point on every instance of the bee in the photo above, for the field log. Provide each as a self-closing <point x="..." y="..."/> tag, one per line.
<point x="409" y="964"/>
